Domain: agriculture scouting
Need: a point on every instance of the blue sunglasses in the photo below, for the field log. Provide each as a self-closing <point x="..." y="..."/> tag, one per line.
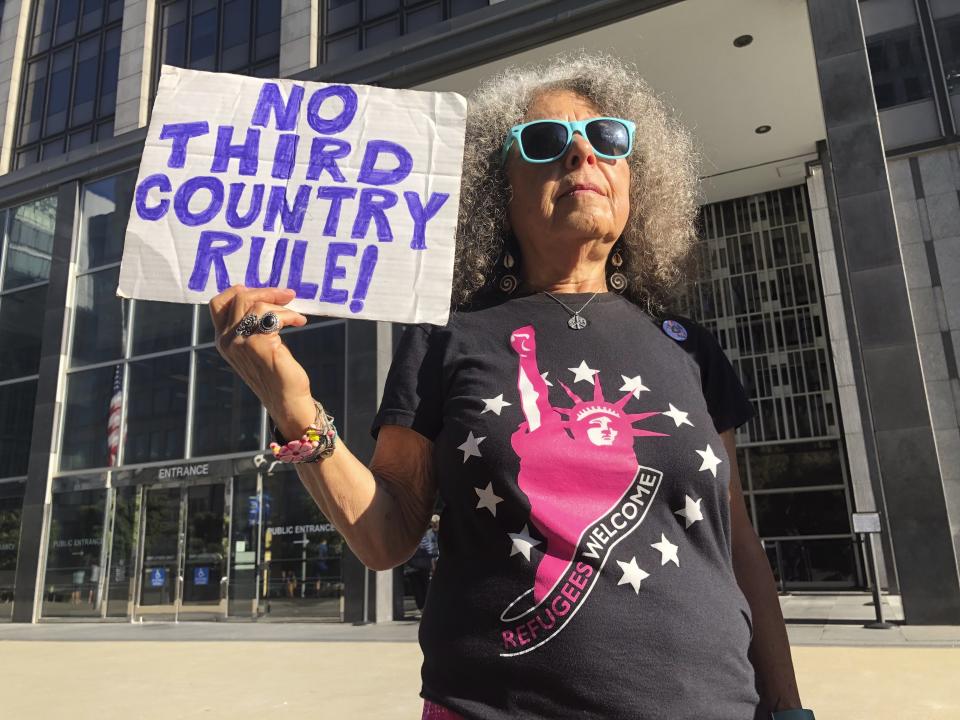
<point x="543" y="141"/>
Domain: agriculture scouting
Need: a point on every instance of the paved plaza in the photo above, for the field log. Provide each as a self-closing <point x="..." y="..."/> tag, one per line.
<point x="244" y="671"/>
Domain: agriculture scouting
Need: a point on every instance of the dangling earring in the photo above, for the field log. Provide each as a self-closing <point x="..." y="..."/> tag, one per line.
<point x="617" y="280"/>
<point x="508" y="281"/>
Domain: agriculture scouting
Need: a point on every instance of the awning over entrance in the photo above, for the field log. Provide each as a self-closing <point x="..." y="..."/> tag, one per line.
<point x="723" y="93"/>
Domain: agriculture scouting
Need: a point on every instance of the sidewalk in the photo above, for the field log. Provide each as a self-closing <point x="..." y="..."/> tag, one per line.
<point x="244" y="671"/>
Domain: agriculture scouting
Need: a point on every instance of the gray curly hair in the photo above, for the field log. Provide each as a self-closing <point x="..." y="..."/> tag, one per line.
<point x="657" y="243"/>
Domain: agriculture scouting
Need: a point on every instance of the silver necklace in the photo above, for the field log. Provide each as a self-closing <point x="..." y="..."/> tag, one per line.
<point x="576" y="321"/>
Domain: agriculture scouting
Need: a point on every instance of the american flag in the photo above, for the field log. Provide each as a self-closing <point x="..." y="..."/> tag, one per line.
<point x="113" y="421"/>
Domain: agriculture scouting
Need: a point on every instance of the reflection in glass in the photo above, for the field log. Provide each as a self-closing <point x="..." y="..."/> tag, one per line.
<point x="205" y="561"/>
<point x="898" y="66"/>
<point x="226" y="412"/>
<point x="20" y="332"/>
<point x="16" y="423"/>
<point x="243" y="542"/>
<point x="161" y="518"/>
<point x="72" y="585"/>
<point x="204" y="325"/>
<point x="122" y="553"/>
<point x="11" y="504"/>
<point x="796" y="465"/>
<point x="160" y="326"/>
<point x="98" y="329"/>
<point x="301" y="575"/>
<point x="85" y="419"/>
<point x="802" y="513"/>
<point x="106" y="208"/>
<point x="321" y="351"/>
<point x="30" y="243"/>
<point x="818" y="562"/>
<point x="157" y="408"/>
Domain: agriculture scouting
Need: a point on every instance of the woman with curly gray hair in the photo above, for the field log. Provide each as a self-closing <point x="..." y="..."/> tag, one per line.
<point x="596" y="558"/>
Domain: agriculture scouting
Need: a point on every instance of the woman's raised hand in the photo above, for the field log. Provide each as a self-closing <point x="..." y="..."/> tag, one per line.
<point x="262" y="360"/>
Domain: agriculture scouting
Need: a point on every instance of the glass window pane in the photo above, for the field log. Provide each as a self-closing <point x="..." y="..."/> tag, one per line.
<point x="382" y="32"/>
<point x="321" y="353"/>
<point x="85" y="82"/>
<point x="157" y="408"/>
<point x="160" y="326"/>
<point x="72" y="585"/>
<point x="98" y="330"/>
<point x="11" y="504"/>
<point x="814" y="561"/>
<point x="203" y="40"/>
<point x="802" y="513"/>
<point x="204" y="325"/>
<point x="425" y="17"/>
<point x="899" y="67"/>
<point x="92" y="15"/>
<point x="33" y="99"/>
<point x="227" y="413"/>
<point x="459" y="7"/>
<point x="16" y="424"/>
<point x="948" y="39"/>
<point x="373" y="9"/>
<point x="174" y="34"/>
<point x="106" y="207"/>
<point x="122" y="556"/>
<point x="43" y="25"/>
<point x="235" y="50"/>
<point x="114" y="10"/>
<point x="796" y="465"/>
<point x="343" y="47"/>
<point x="66" y="28"/>
<point x="109" y="69"/>
<point x="61" y="70"/>
<point x="30" y="243"/>
<point x="20" y="332"/>
<point x="85" y="419"/>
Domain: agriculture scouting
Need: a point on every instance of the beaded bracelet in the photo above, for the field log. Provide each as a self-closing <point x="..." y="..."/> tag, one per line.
<point x="318" y="441"/>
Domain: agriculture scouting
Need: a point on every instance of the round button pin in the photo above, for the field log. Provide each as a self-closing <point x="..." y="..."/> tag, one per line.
<point x="675" y="330"/>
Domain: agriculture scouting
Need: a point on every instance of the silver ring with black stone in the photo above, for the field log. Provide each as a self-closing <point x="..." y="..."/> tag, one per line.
<point x="248" y="325"/>
<point x="268" y="324"/>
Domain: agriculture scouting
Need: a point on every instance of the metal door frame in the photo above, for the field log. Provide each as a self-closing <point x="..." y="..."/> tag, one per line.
<point x="220" y="610"/>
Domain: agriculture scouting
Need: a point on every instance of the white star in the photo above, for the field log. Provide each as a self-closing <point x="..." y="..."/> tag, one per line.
<point x="691" y="510"/>
<point x="632" y="574"/>
<point x="544" y="376"/>
<point x="522" y="543"/>
<point x="633" y="385"/>
<point x="582" y="372"/>
<point x="668" y="551"/>
<point x="488" y="499"/>
<point x="678" y="416"/>
<point x="710" y="461"/>
<point x="471" y="446"/>
<point x="494" y="404"/>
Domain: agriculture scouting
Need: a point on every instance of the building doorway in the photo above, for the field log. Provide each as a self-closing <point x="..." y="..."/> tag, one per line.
<point x="183" y="564"/>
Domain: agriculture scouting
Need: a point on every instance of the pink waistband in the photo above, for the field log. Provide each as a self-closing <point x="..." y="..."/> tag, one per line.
<point x="432" y="711"/>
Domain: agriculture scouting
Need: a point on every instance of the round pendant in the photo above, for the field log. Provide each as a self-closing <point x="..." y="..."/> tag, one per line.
<point x="577" y="322"/>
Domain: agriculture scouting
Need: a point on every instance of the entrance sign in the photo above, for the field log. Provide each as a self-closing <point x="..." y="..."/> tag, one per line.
<point x="158" y="577"/>
<point x="201" y="576"/>
<point x="347" y="194"/>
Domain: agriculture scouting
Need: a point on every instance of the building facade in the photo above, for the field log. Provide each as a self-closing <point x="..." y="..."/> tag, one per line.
<point x="133" y="484"/>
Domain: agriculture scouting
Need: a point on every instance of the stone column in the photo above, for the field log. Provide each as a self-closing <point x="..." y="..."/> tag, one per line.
<point x="884" y="336"/>
<point x="136" y="65"/>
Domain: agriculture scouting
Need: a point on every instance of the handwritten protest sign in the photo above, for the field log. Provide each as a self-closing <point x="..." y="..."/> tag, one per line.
<point x="347" y="194"/>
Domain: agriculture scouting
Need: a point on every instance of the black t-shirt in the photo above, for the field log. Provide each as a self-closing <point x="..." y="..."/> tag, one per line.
<point x="585" y="561"/>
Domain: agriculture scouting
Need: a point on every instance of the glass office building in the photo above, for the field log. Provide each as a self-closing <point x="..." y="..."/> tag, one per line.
<point x="133" y="480"/>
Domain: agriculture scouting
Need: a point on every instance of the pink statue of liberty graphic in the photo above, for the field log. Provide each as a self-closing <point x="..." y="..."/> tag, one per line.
<point x="575" y="463"/>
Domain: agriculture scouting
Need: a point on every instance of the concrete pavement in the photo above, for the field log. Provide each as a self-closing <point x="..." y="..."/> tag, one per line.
<point x="277" y="671"/>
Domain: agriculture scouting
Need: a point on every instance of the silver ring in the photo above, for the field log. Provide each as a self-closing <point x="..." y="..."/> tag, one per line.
<point x="269" y="323"/>
<point x="247" y="326"/>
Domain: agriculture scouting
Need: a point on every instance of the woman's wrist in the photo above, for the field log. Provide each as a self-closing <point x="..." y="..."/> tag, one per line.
<point x="292" y="418"/>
